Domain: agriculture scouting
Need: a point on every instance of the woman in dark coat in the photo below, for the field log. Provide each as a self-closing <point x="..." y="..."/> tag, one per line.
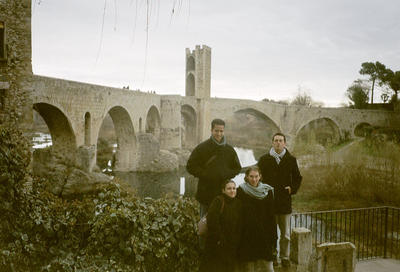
<point x="258" y="239"/>
<point x="224" y="229"/>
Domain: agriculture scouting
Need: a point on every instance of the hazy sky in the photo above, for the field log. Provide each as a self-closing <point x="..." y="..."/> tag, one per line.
<point x="260" y="48"/>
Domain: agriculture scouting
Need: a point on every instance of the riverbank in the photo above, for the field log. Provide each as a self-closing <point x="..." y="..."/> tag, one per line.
<point x="362" y="176"/>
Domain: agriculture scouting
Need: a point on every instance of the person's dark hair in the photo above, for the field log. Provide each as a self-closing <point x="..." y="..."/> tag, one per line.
<point x="217" y="121"/>
<point x="279" y="134"/>
<point x="225" y="182"/>
<point x="249" y="169"/>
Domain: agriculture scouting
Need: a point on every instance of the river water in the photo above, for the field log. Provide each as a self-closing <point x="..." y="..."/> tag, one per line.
<point x="155" y="185"/>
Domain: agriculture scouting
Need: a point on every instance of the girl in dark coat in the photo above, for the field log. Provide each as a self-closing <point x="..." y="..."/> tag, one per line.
<point x="258" y="239"/>
<point x="224" y="229"/>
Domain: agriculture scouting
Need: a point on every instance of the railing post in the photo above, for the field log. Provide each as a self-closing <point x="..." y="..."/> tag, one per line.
<point x="386" y="234"/>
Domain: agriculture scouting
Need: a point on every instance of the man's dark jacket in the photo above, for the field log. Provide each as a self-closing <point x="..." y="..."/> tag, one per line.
<point x="286" y="173"/>
<point x="212" y="164"/>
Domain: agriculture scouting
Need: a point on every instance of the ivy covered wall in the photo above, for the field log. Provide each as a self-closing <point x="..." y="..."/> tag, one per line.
<point x="15" y="63"/>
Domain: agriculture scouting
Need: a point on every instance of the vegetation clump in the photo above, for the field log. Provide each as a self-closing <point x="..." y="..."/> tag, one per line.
<point x="363" y="173"/>
<point x="112" y="230"/>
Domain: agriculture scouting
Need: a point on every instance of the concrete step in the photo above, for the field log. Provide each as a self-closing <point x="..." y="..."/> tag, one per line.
<point x="378" y="265"/>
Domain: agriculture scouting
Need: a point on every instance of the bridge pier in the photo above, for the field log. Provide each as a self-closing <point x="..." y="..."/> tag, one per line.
<point x="170" y="122"/>
<point x="204" y="120"/>
<point x="126" y="160"/>
<point x="86" y="157"/>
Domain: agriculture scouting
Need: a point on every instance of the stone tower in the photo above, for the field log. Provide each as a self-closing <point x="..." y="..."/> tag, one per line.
<point x="198" y="72"/>
<point x="15" y="63"/>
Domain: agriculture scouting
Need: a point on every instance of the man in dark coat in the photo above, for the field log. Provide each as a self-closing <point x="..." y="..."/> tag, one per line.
<point x="212" y="161"/>
<point x="279" y="169"/>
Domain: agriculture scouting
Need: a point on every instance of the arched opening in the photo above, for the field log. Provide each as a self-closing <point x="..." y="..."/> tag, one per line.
<point x="41" y="133"/>
<point x="323" y="131"/>
<point x="250" y="128"/>
<point x="190" y="65"/>
<point x="153" y="122"/>
<point x="106" y="145"/>
<point x="190" y="85"/>
<point x="121" y="140"/>
<point x="188" y="128"/>
<point x="87" y="128"/>
<point x="62" y="138"/>
<point x="140" y="124"/>
<point x="363" y="130"/>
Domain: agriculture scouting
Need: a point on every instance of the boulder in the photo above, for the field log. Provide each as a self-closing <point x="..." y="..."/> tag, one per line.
<point x="65" y="180"/>
<point x="166" y="161"/>
<point x="81" y="182"/>
<point x="183" y="156"/>
<point x="46" y="165"/>
<point x="152" y="159"/>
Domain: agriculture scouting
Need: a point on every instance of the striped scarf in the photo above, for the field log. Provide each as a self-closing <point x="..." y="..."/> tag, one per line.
<point x="277" y="156"/>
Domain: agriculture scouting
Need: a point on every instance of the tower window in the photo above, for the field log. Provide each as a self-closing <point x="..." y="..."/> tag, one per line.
<point x="2" y="41"/>
<point x="190" y="65"/>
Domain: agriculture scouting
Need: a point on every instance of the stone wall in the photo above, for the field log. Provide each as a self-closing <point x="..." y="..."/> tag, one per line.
<point x="329" y="257"/>
<point x="16" y="66"/>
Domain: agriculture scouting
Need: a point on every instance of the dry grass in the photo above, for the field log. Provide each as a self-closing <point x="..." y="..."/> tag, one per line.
<point x="367" y="174"/>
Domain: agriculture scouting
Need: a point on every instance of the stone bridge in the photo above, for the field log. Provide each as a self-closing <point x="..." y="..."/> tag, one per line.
<point x="74" y="113"/>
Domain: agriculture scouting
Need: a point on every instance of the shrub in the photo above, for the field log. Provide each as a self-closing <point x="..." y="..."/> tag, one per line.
<point x="112" y="230"/>
<point x="359" y="176"/>
<point x="151" y="235"/>
<point x="14" y="159"/>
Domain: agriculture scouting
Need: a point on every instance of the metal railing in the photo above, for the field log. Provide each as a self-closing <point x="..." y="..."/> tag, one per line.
<point x="374" y="231"/>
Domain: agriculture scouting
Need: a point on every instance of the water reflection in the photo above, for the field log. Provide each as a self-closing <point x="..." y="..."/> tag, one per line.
<point x="41" y="140"/>
<point x="180" y="182"/>
<point x="156" y="185"/>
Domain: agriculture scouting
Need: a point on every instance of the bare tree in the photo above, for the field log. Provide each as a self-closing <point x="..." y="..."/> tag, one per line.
<point x="304" y="99"/>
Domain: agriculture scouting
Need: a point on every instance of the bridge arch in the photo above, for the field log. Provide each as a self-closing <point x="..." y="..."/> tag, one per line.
<point x="62" y="134"/>
<point x="125" y="155"/>
<point x="189" y="126"/>
<point x="153" y="122"/>
<point x="362" y="129"/>
<point x="323" y="130"/>
<point x="248" y="127"/>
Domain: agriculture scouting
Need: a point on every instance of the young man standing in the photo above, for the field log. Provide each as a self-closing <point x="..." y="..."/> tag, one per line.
<point x="279" y="169"/>
<point x="212" y="161"/>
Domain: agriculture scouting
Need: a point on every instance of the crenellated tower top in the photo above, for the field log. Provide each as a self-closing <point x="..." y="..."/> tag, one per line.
<point x="198" y="72"/>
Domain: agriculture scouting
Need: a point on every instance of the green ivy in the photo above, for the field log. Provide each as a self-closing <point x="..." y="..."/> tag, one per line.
<point x="113" y="230"/>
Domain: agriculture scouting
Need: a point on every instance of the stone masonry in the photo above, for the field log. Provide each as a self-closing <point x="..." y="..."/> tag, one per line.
<point x="15" y="63"/>
<point x="74" y="111"/>
<point x="335" y="257"/>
